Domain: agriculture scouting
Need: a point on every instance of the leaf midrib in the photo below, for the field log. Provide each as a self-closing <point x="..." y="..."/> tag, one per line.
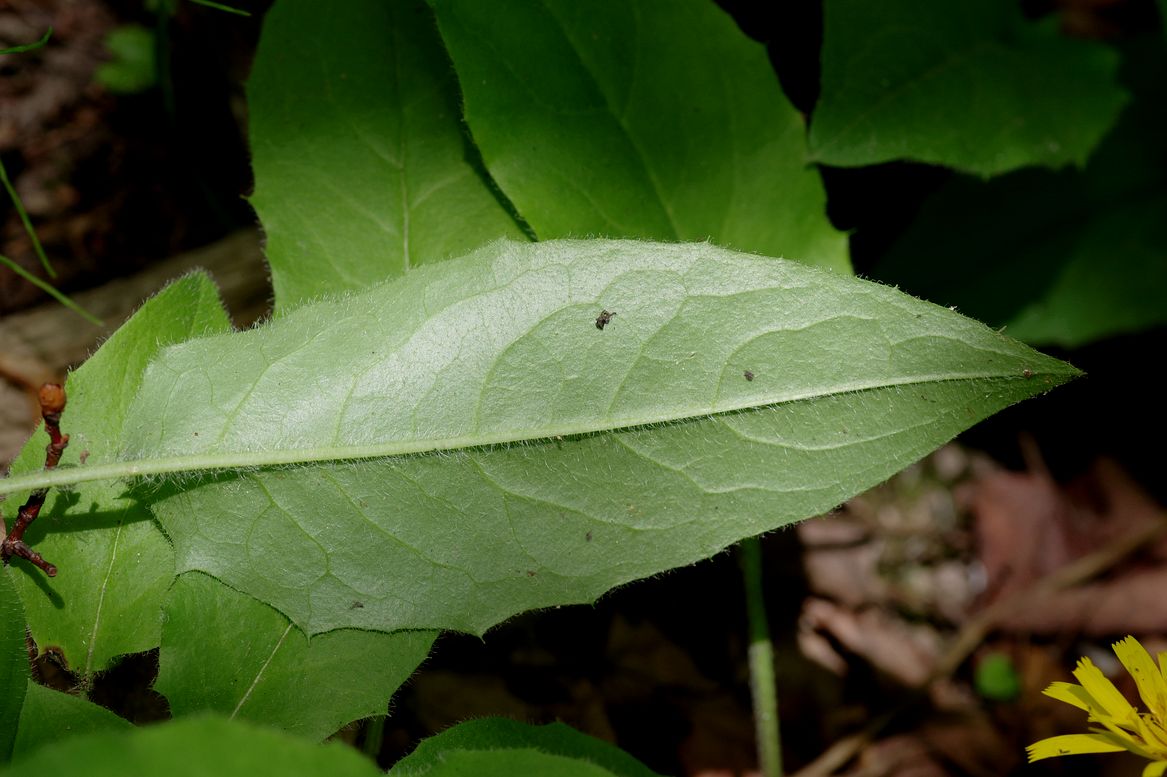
<point x="205" y="462"/>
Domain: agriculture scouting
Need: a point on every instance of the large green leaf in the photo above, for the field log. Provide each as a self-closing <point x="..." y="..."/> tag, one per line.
<point x="474" y="738"/>
<point x="360" y="162"/>
<point x="225" y="652"/>
<point x="742" y="394"/>
<point x="50" y="717"/>
<point x="13" y="664"/>
<point x="638" y="119"/>
<point x="1058" y="257"/>
<point x="193" y="748"/>
<point x="1093" y="297"/>
<point x="115" y="565"/>
<point x="509" y="762"/>
<point x="964" y="83"/>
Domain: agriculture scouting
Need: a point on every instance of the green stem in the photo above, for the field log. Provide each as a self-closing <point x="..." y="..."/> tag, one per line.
<point x="26" y="221"/>
<point x="221" y="7"/>
<point x="763" y="687"/>
<point x="374" y="736"/>
<point x="29" y="46"/>
<point x="47" y="289"/>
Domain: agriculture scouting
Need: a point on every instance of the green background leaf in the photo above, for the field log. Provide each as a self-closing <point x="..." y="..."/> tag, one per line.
<point x="115" y="565"/>
<point x="13" y="664"/>
<point x="132" y="68"/>
<point x="361" y="166"/>
<point x="638" y="119"/>
<point x="508" y="763"/>
<point x="501" y="734"/>
<point x="193" y="748"/>
<point x="50" y="717"/>
<point x="965" y="83"/>
<point x="1066" y="257"/>
<point x="459" y="358"/>
<point x="225" y="652"/>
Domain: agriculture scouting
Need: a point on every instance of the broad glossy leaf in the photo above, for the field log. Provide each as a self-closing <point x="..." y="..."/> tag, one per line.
<point x="115" y="565"/>
<point x="222" y="651"/>
<point x="1065" y="257"/>
<point x="488" y="384"/>
<point x="193" y="748"/>
<point x="49" y="717"/>
<point x="638" y="119"/>
<point x="476" y="737"/>
<point x="965" y="83"/>
<point x="361" y="166"/>
<point x="13" y="664"/>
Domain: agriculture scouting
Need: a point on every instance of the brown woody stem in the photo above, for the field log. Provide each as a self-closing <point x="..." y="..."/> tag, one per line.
<point x="52" y="399"/>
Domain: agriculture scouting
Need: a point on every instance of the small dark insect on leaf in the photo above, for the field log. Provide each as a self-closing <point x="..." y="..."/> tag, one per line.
<point x="748" y="375"/>
<point x="530" y="573"/>
<point x="588" y="536"/>
<point x="604" y="318"/>
<point x="357" y="606"/>
<point x="1027" y="373"/>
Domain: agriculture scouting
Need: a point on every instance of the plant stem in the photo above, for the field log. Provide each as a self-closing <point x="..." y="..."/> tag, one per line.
<point x="374" y="736"/>
<point x="24" y="219"/>
<point x="52" y="401"/>
<point x="763" y="688"/>
<point x="47" y="289"/>
<point x="29" y="46"/>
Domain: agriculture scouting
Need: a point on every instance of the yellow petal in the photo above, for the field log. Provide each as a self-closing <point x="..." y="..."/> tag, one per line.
<point x="1124" y="739"/>
<point x="1152" y="735"/>
<point x="1104" y="693"/>
<point x="1156" y="769"/>
<point x="1072" y="744"/>
<point x="1074" y="694"/>
<point x="1152" y="687"/>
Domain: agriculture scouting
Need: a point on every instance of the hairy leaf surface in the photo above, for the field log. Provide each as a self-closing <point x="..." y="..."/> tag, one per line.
<point x="115" y="565"/>
<point x="490" y="388"/>
<point x="361" y="167"/>
<point x="967" y="83"/>
<point x="638" y="119"/>
<point x="223" y="651"/>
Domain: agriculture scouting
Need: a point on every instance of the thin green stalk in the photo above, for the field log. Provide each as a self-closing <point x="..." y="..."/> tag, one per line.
<point x="29" y="46"/>
<point x="24" y="219"/>
<point x="763" y="687"/>
<point x="221" y="7"/>
<point x="48" y="289"/>
<point x="36" y="242"/>
<point x="374" y="736"/>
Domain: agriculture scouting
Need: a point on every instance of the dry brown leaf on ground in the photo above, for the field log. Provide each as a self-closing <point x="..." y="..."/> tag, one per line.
<point x="899" y="756"/>
<point x="1027" y="527"/>
<point x="904" y="651"/>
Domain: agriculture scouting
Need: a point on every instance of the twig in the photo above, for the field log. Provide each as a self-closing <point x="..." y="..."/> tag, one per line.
<point x="843" y="750"/>
<point x="973" y="634"/>
<point x="1079" y="571"/>
<point x="52" y="399"/>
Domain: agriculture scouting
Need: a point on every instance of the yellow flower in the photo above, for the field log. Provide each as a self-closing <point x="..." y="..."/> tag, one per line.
<point x="1120" y="726"/>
